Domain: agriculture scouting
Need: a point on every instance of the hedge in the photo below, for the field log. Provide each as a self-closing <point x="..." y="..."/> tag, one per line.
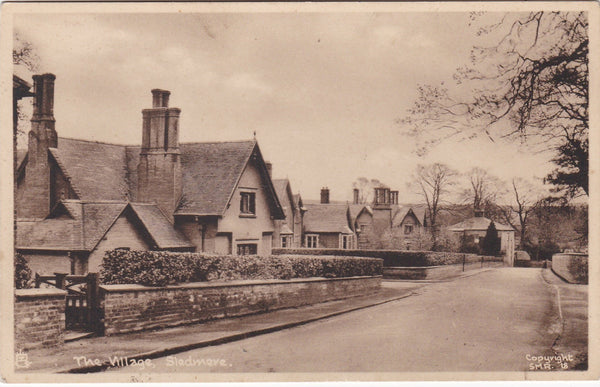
<point x="391" y="258"/>
<point x="159" y="268"/>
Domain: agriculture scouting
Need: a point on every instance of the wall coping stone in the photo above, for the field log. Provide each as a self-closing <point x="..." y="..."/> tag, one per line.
<point x="40" y="293"/>
<point x="570" y="254"/>
<point x="221" y="284"/>
<point x="436" y="266"/>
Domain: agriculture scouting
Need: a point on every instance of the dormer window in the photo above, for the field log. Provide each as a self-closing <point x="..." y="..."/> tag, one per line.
<point x="408" y="228"/>
<point x="248" y="203"/>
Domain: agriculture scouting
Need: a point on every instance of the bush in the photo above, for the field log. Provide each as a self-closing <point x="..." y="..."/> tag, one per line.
<point x="542" y="251"/>
<point x="22" y="272"/>
<point x="160" y="268"/>
<point x="490" y="244"/>
<point x="407" y="258"/>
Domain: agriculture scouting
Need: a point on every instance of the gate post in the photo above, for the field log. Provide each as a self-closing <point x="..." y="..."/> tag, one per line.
<point x="60" y="280"/>
<point x="92" y="300"/>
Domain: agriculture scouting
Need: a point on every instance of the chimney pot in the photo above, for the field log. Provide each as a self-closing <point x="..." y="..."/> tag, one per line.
<point x="356" y="195"/>
<point x="324" y="195"/>
<point x="160" y="98"/>
<point x="43" y="100"/>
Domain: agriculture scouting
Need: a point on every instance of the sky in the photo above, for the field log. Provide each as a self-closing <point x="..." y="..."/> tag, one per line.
<point x="322" y="91"/>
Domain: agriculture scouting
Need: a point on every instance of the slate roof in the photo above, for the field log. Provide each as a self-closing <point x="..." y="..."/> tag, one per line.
<point x="478" y="223"/>
<point x="159" y="228"/>
<point x="283" y="189"/>
<point x="76" y="225"/>
<point x="80" y="227"/>
<point x="323" y="218"/>
<point x="96" y="171"/>
<point x="100" y="171"/>
<point x="285" y="229"/>
<point x="210" y="174"/>
<point x="400" y="214"/>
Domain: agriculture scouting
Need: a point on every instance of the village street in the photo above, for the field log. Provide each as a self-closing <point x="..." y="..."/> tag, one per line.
<point x="497" y="320"/>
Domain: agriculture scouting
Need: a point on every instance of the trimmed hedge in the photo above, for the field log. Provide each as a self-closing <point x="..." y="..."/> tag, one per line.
<point x="159" y="268"/>
<point x="392" y="258"/>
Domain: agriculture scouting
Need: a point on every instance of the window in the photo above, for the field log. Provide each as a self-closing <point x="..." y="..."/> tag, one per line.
<point x="312" y="241"/>
<point x="248" y="203"/>
<point x="284" y="241"/>
<point x="247" y="249"/>
<point x="346" y="242"/>
<point x="408" y="228"/>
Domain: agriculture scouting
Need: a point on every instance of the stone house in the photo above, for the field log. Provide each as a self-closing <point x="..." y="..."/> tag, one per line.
<point x="328" y="225"/>
<point x="76" y="199"/>
<point x="409" y="226"/>
<point x="288" y="231"/>
<point x="474" y="229"/>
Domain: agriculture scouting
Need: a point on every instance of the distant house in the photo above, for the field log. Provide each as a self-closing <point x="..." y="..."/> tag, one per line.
<point x="373" y="222"/>
<point x="288" y="232"/>
<point x="75" y="198"/>
<point x="408" y="225"/>
<point x="328" y="225"/>
<point x="475" y="228"/>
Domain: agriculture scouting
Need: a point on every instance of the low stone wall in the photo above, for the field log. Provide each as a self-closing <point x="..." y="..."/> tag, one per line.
<point x="435" y="272"/>
<point x="572" y="267"/>
<point x="39" y="318"/>
<point x="129" y="308"/>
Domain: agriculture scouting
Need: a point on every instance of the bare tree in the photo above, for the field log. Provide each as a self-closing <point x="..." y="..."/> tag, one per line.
<point x="366" y="189"/>
<point x="531" y="84"/>
<point x="525" y="197"/>
<point x="483" y="192"/>
<point x="433" y="182"/>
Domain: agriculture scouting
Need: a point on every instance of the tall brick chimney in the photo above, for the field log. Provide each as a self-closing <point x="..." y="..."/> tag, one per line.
<point x="324" y="195"/>
<point x="159" y="170"/>
<point x="356" y="193"/>
<point x="36" y="195"/>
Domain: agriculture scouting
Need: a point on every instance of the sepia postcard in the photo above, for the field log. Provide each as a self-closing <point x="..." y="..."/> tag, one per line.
<point x="299" y="192"/>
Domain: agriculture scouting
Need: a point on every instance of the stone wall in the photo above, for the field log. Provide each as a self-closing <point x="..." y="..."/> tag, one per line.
<point x="129" y="308"/>
<point x="572" y="267"/>
<point x="39" y="318"/>
<point x="435" y="272"/>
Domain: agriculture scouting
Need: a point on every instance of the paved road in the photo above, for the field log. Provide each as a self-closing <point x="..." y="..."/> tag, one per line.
<point x="486" y="322"/>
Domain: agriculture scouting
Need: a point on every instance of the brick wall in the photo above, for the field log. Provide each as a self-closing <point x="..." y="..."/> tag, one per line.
<point x="572" y="267"/>
<point x="129" y="308"/>
<point x="39" y="318"/>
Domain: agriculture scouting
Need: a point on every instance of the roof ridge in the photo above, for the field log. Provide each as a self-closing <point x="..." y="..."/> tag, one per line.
<point x="215" y="142"/>
<point x="94" y="141"/>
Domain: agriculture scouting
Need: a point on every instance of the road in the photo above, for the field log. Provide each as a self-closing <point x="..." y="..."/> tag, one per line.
<point x="487" y="322"/>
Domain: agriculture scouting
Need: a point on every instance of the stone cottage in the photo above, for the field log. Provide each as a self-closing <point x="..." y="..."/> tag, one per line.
<point x="288" y="231"/>
<point x="474" y="229"/>
<point x="76" y="199"/>
<point x="328" y="225"/>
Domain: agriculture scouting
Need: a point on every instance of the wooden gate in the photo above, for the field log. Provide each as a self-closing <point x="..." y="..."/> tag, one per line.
<point x="82" y="309"/>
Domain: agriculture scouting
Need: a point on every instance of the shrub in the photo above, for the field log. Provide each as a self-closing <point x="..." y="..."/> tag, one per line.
<point x="490" y="244"/>
<point x="22" y="272"/>
<point x="160" y="268"/>
<point x="407" y="258"/>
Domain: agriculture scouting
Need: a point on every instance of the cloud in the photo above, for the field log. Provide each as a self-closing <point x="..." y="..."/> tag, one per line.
<point x="247" y="82"/>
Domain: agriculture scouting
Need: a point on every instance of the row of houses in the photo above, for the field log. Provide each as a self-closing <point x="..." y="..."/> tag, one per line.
<point x="76" y="199"/>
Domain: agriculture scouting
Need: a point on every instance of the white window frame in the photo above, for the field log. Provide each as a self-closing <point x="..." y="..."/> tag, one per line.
<point x="314" y="238"/>
<point x="348" y="240"/>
